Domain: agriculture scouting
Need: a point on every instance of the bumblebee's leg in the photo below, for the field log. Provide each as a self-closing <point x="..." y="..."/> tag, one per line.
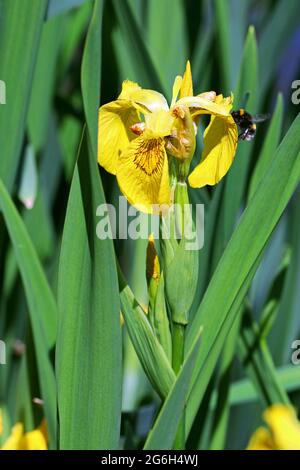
<point x="243" y="135"/>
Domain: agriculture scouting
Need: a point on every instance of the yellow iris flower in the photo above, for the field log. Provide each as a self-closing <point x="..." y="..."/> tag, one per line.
<point x="139" y="133"/>
<point x="283" y="431"/>
<point x="20" y="440"/>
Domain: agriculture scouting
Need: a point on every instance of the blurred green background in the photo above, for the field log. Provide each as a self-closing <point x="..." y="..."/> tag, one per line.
<point x="148" y="41"/>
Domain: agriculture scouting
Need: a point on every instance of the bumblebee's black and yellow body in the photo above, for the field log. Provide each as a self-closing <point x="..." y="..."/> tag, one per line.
<point x="246" y="123"/>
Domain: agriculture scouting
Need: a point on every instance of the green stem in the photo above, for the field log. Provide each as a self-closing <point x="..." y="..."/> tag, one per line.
<point x="177" y="360"/>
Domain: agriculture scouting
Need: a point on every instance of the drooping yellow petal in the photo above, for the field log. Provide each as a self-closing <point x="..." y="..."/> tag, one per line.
<point x="201" y="105"/>
<point x="208" y="103"/>
<point x="220" y="142"/>
<point x="187" y="82"/>
<point x="226" y="102"/>
<point x="160" y="122"/>
<point x="261" y="440"/>
<point x="114" y="133"/>
<point x="208" y="95"/>
<point x="176" y="89"/>
<point x="143" y="174"/>
<point x="284" y="426"/>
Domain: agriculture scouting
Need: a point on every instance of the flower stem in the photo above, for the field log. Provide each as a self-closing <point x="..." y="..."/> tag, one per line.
<point x="177" y="360"/>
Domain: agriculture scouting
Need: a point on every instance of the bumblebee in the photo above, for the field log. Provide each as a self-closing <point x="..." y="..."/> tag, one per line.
<point x="247" y="123"/>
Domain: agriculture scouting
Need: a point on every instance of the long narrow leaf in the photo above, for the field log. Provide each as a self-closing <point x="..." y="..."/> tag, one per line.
<point x="18" y="54"/>
<point x="41" y="304"/>
<point x="88" y="354"/>
<point x="164" y="430"/>
<point x="244" y="250"/>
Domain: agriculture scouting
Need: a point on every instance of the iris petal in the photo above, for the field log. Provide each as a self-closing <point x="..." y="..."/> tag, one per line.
<point x="13" y="441"/>
<point x="142" y="99"/>
<point x="187" y="82"/>
<point x="143" y="174"/>
<point x="261" y="440"/>
<point x="160" y="122"/>
<point x="114" y="133"/>
<point x="220" y="142"/>
<point x="128" y="87"/>
<point x="148" y="100"/>
<point x="176" y="89"/>
<point x="284" y="426"/>
<point x="202" y="105"/>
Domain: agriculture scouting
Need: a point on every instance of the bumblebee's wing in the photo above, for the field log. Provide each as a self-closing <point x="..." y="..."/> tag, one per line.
<point x="246" y="97"/>
<point x="260" y="117"/>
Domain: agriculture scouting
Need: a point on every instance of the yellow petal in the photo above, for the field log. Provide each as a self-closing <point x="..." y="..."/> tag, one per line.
<point x="143" y="174"/>
<point x="284" y="426"/>
<point x="160" y="123"/>
<point x="13" y="441"/>
<point x="201" y="105"/>
<point x="148" y="100"/>
<point x="142" y="99"/>
<point x="152" y="261"/>
<point x="220" y="142"/>
<point x="1" y="422"/>
<point x="114" y="133"/>
<point x="208" y="95"/>
<point x="33" y="440"/>
<point x="261" y="440"/>
<point x="226" y="102"/>
<point x="187" y="82"/>
<point x="176" y="89"/>
<point x="128" y="88"/>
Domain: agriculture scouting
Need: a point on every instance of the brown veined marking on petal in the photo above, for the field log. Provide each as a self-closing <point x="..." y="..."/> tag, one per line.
<point x="148" y="156"/>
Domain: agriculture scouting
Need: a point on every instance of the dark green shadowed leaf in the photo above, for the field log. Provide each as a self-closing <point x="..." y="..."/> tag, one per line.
<point x="88" y="354"/>
<point x="174" y="38"/>
<point x="41" y="305"/>
<point x="43" y="83"/>
<point x="57" y="7"/>
<point x="287" y="324"/>
<point x="222" y="411"/>
<point x="91" y="74"/>
<point x="282" y="22"/>
<point x="149" y="351"/>
<point x="237" y="176"/>
<point x="75" y="25"/>
<point x="242" y="254"/>
<point x="231" y="20"/>
<point x="223" y="28"/>
<point x="244" y="390"/>
<point x="18" y="54"/>
<point x="269" y="146"/>
<point x="164" y="430"/>
<point x="205" y="265"/>
<point x="257" y="362"/>
<point x="141" y="61"/>
<point x="200" y="386"/>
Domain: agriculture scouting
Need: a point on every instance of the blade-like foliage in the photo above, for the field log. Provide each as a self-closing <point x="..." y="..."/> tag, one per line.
<point x="164" y="430"/>
<point x="88" y="366"/>
<point x="41" y="305"/>
<point x="243" y="251"/>
<point x="18" y="55"/>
